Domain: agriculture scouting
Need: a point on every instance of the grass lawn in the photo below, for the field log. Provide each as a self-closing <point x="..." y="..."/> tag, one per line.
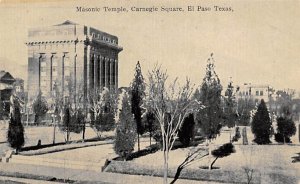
<point x="45" y="134"/>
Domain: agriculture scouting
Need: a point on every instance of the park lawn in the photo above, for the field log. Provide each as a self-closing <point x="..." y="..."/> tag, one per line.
<point x="271" y="164"/>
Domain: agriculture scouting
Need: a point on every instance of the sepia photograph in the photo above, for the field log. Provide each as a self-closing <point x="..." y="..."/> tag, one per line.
<point x="149" y="91"/>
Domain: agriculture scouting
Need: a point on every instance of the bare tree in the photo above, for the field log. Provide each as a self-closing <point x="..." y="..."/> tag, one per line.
<point x="170" y="106"/>
<point x="102" y="106"/>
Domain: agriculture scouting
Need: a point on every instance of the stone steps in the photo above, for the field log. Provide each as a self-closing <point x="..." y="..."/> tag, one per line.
<point x="33" y="160"/>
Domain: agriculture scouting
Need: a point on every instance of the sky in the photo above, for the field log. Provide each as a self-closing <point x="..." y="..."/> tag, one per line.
<point x="257" y="42"/>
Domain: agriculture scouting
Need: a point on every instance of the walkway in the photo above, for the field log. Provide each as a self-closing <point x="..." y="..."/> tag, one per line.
<point x="82" y="175"/>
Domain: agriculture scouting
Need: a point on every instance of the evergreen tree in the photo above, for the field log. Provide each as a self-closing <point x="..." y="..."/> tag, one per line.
<point x="137" y="95"/>
<point x="210" y="117"/>
<point x="40" y="108"/>
<point x="151" y="124"/>
<point x="186" y="132"/>
<point x="261" y="124"/>
<point x="15" y="134"/>
<point x="285" y="129"/>
<point x="126" y="130"/>
<point x="77" y="121"/>
<point x="230" y="116"/>
<point x="66" y="123"/>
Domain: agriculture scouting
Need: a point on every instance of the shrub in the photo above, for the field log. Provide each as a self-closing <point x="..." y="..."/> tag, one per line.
<point x="40" y="108"/>
<point x="261" y="124"/>
<point x="279" y="138"/>
<point x="237" y="135"/>
<point x="186" y="132"/>
<point x="223" y="151"/>
<point x="285" y="128"/>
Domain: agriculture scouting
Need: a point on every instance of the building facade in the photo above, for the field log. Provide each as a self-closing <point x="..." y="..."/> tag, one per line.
<point x="6" y="90"/>
<point x="255" y="92"/>
<point x="72" y="59"/>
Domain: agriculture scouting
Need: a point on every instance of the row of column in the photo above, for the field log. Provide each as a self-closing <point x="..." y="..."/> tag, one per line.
<point x="102" y="72"/>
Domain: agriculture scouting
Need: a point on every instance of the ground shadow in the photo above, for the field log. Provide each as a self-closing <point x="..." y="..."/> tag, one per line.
<point x="296" y="158"/>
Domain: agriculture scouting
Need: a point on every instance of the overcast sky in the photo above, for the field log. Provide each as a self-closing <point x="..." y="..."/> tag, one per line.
<point x="259" y="42"/>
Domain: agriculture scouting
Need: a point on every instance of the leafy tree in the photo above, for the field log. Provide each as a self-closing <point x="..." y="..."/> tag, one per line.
<point x="223" y="151"/>
<point x="186" y="132"/>
<point x="137" y="95"/>
<point x="261" y="124"/>
<point x="230" y="115"/>
<point x="285" y="129"/>
<point x="210" y="117"/>
<point x="244" y="108"/>
<point x="40" y="108"/>
<point x="77" y="121"/>
<point x="284" y="102"/>
<point x="126" y="130"/>
<point x="15" y="134"/>
<point x="102" y="107"/>
<point x="151" y="124"/>
<point x="170" y="106"/>
<point x="73" y="121"/>
<point x="104" y="122"/>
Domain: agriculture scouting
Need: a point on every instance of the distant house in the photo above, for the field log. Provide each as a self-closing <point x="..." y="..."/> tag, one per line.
<point x="255" y="92"/>
<point x="6" y="89"/>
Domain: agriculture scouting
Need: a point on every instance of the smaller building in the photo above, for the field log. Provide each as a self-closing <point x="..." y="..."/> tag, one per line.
<point x="6" y="90"/>
<point x="255" y="92"/>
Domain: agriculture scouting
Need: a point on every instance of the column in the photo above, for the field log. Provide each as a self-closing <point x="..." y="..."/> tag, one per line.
<point x="116" y="74"/>
<point x="75" y="80"/>
<point x="111" y="82"/>
<point x="51" y="72"/>
<point x="39" y="72"/>
<point x="100" y="73"/>
<point x="103" y="72"/>
<point x="63" y="76"/>
<point x="91" y="74"/>
<point x="87" y="72"/>
<point x="96" y="73"/>
<point x="106" y="72"/>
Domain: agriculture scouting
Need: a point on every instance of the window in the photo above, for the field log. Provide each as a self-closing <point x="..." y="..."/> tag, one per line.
<point x="257" y="93"/>
<point x="261" y="93"/>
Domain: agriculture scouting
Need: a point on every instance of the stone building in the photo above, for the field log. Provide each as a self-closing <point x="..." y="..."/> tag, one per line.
<point x="255" y="92"/>
<point x="72" y="59"/>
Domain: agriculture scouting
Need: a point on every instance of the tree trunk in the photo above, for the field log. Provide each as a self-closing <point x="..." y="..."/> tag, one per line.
<point x="178" y="171"/>
<point x="165" y="167"/>
<point x="54" y="133"/>
<point x="83" y="132"/>
<point x="138" y="142"/>
<point x="209" y="155"/>
<point x="211" y="165"/>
